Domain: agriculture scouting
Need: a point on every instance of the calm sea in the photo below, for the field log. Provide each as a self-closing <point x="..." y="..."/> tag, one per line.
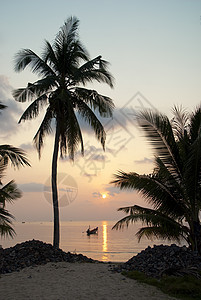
<point x="107" y="245"/>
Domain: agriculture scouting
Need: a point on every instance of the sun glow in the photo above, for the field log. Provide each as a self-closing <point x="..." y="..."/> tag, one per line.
<point x="104" y="196"/>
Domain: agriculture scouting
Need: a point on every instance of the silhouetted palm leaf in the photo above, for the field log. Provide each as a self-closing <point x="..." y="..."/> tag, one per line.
<point x="16" y="156"/>
<point x="103" y="104"/>
<point x="2" y="106"/>
<point x="6" y="228"/>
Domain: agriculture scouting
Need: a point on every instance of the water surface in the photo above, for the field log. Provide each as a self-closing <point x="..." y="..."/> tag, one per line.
<point x="107" y="245"/>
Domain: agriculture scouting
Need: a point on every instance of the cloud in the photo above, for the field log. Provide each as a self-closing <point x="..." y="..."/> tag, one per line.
<point x="144" y="161"/>
<point x="27" y="146"/>
<point x="91" y="153"/>
<point x="9" y="116"/>
<point x="93" y="149"/>
<point x="31" y="187"/>
<point x="112" y="190"/>
<point x="89" y="175"/>
<point x="34" y="187"/>
<point x="5" y="88"/>
<point x="99" y="157"/>
<point x="96" y="194"/>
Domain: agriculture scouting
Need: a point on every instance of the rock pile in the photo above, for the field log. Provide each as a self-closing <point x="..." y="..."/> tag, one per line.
<point x="32" y="253"/>
<point x="165" y="260"/>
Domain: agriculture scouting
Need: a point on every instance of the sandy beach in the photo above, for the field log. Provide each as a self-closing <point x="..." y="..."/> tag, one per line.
<point x="83" y="281"/>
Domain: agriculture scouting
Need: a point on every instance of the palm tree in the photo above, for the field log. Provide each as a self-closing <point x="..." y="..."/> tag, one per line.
<point x="174" y="187"/>
<point x="63" y="67"/>
<point x="9" y="192"/>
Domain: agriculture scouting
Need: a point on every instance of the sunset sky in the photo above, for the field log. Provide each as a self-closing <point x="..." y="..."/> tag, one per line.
<point x="154" y="50"/>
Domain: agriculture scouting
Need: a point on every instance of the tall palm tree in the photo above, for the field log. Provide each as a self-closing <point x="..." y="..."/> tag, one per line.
<point x="63" y="67"/>
<point x="174" y="187"/>
<point x="9" y="192"/>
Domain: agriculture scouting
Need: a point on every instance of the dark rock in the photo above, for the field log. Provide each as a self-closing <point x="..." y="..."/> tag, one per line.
<point x="33" y="253"/>
<point x="162" y="260"/>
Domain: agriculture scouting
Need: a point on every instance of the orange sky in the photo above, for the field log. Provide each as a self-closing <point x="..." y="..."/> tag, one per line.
<point x="154" y="49"/>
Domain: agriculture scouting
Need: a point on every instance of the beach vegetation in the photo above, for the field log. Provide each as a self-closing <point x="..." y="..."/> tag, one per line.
<point x="183" y="287"/>
<point x="64" y="68"/>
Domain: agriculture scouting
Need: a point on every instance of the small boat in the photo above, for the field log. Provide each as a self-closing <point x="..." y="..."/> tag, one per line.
<point x="92" y="231"/>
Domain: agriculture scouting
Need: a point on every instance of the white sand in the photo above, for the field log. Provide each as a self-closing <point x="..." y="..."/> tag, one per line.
<point x="74" y="281"/>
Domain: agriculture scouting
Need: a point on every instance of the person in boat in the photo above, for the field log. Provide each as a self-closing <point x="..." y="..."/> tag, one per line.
<point x="88" y="230"/>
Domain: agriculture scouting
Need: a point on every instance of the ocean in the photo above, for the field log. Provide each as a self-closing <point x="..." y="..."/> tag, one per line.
<point x="107" y="245"/>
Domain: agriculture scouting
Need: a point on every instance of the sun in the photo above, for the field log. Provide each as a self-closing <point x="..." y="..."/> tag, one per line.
<point x="104" y="196"/>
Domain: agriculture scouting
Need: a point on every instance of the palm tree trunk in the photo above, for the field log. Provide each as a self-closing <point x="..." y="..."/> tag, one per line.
<point x="54" y="188"/>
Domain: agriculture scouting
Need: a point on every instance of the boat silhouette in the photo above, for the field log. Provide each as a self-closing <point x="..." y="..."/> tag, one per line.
<point x="92" y="231"/>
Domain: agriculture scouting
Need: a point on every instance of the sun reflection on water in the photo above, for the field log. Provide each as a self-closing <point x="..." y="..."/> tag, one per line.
<point x="104" y="248"/>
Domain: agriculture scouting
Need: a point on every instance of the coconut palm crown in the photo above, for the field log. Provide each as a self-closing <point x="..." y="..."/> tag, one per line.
<point x="174" y="187"/>
<point x="64" y="68"/>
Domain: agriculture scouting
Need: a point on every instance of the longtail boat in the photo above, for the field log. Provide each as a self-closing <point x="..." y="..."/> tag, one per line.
<point x="92" y="231"/>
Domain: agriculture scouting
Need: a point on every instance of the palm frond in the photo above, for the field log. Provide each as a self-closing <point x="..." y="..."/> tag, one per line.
<point x="154" y="191"/>
<point x="34" y="108"/>
<point x="44" y="129"/>
<point x="68" y="33"/>
<point x="95" y="69"/>
<point x="78" y="53"/>
<point x="3" y="167"/>
<point x="160" y="233"/>
<point x="178" y="200"/>
<point x="38" y="89"/>
<point x="70" y="132"/>
<point x="180" y="122"/>
<point x="16" y="156"/>
<point x="159" y="225"/>
<point x="2" y="106"/>
<point x="103" y="104"/>
<point x="27" y="57"/>
<point x="146" y="215"/>
<point x="192" y="163"/>
<point x="88" y="116"/>
<point x="193" y="172"/>
<point x="93" y="64"/>
<point x="9" y="193"/>
<point x="6" y="228"/>
<point x="195" y="124"/>
<point x="49" y="55"/>
<point x="23" y="94"/>
<point x="159" y="132"/>
<point x="67" y="47"/>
